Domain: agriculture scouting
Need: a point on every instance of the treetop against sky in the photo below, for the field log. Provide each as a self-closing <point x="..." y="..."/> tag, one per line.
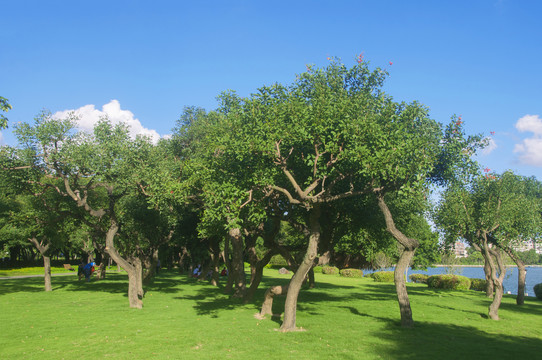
<point x="142" y="63"/>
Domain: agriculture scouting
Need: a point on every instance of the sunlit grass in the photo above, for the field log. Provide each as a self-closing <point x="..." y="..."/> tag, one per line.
<point x="32" y="271"/>
<point x="27" y="271"/>
<point x="185" y="319"/>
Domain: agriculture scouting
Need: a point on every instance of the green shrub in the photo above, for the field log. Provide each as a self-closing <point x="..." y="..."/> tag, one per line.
<point x="419" y="278"/>
<point x="369" y="275"/>
<point x="478" y="284"/>
<point x="317" y="269"/>
<point x="538" y="291"/>
<point x="452" y="282"/>
<point x="278" y="260"/>
<point x="383" y="276"/>
<point x="354" y="273"/>
<point x="330" y="270"/>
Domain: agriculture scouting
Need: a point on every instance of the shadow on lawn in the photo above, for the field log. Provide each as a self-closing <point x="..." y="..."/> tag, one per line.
<point x="113" y="283"/>
<point x="34" y="284"/>
<point x="445" y="341"/>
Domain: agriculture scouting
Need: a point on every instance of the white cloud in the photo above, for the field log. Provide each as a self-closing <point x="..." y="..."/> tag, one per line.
<point x="530" y="150"/>
<point x="491" y="145"/>
<point x="89" y="116"/>
<point x="1" y="139"/>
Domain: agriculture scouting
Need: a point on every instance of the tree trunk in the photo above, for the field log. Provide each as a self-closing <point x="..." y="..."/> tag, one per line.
<point x="238" y="268"/>
<point x="102" y="271"/>
<point x="493" y="312"/>
<point x="522" y="273"/>
<point x="324" y="258"/>
<point x="151" y="267"/>
<point x="311" y="278"/>
<point x="182" y="255"/>
<point x="47" y="270"/>
<point x="258" y="274"/>
<point x="400" y="287"/>
<point x="133" y="297"/>
<point x="490" y="288"/>
<point x="215" y="262"/>
<point x="133" y="277"/>
<point x="226" y="254"/>
<point x="403" y="263"/>
<point x="267" y="306"/>
<point x="290" y="306"/>
<point x="43" y="247"/>
<point x="138" y="266"/>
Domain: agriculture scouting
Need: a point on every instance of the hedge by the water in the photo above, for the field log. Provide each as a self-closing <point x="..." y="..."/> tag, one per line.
<point x="452" y="282"/>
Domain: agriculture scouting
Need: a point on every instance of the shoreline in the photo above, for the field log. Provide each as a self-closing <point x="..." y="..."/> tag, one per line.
<point x="481" y="266"/>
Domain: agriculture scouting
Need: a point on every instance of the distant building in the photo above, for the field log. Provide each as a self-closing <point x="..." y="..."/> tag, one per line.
<point x="528" y="245"/>
<point x="460" y="250"/>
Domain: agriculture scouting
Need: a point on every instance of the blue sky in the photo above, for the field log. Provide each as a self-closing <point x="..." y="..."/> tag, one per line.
<point x="144" y="61"/>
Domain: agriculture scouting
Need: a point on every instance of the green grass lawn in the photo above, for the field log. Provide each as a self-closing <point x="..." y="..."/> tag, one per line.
<point x="184" y="319"/>
<point x="33" y="271"/>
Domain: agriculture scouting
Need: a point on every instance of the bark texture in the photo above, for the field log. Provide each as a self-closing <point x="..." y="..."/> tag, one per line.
<point x="267" y="306"/>
<point x="135" y="288"/>
<point x="290" y="306"/>
<point x="522" y="274"/>
<point x="43" y="247"/>
<point x="238" y="268"/>
<point x="497" y="276"/>
<point x="410" y="246"/>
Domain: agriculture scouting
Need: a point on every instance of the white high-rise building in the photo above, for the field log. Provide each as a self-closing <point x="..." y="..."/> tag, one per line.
<point x="528" y="245"/>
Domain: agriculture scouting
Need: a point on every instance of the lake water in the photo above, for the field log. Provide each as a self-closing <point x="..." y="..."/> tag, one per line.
<point x="533" y="277"/>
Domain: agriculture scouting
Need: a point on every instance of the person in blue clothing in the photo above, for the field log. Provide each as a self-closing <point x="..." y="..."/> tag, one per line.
<point x="88" y="270"/>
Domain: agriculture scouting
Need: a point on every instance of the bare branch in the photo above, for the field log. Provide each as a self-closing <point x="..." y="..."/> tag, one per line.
<point x="249" y="199"/>
<point x="287" y="193"/>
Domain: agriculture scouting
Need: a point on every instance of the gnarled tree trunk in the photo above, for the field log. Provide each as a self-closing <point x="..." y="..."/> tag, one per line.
<point x="403" y="263"/>
<point x="490" y="287"/>
<point x="267" y="306"/>
<point x="134" y="278"/>
<point x="497" y="280"/>
<point x="290" y="306"/>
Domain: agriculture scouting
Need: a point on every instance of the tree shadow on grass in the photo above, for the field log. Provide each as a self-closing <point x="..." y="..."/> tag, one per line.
<point x="211" y="301"/>
<point x="532" y="306"/>
<point x="428" y="340"/>
<point x="10" y="286"/>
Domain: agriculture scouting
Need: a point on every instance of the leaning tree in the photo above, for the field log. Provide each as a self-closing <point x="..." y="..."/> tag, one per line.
<point x="93" y="171"/>
<point x="492" y="212"/>
<point x="334" y="134"/>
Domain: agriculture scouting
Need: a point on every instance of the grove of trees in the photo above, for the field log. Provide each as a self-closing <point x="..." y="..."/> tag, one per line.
<point x="328" y="169"/>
